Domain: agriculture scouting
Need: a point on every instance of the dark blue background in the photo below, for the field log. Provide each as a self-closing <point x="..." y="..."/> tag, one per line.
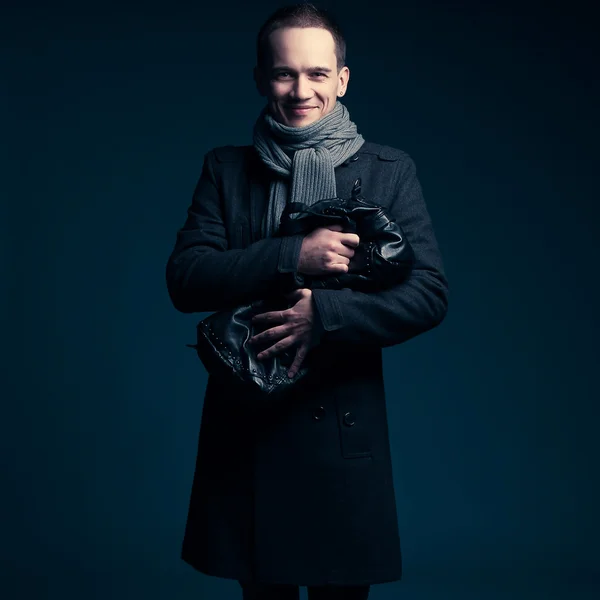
<point x="107" y="113"/>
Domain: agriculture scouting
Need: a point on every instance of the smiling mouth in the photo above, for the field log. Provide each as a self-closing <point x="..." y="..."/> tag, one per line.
<point x="300" y="110"/>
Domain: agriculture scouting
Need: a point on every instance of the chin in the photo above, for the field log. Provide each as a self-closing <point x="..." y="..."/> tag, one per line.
<point x="306" y="120"/>
<point x="283" y="117"/>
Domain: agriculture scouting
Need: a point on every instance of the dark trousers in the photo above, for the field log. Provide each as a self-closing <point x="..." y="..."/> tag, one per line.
<point x="259" y="591"/>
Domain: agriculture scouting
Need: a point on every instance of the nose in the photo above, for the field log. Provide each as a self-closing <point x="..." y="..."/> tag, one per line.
<point x="301" y="89"/>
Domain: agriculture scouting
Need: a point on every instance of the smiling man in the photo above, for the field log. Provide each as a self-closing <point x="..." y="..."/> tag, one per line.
<point x="299" y="492"/>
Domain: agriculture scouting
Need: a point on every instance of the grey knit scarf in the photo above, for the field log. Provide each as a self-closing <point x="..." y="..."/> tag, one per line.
<point x="315" y="150"/>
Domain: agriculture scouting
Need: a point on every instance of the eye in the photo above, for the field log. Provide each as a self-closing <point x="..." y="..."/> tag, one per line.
<point x="319" y="74"/>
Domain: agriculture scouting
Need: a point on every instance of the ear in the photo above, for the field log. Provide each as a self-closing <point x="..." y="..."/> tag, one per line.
<point x="259" y="81"/>
<point x="343" y="78"/>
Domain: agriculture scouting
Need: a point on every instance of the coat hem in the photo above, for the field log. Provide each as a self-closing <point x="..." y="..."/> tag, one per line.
<point x="222" y="574"/>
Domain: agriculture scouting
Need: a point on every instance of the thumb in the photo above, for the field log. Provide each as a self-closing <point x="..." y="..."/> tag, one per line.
<point x="294" y="294"/>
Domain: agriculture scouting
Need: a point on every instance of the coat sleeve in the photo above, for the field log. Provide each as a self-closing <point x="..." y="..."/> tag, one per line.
<point x="397" y="314"/>
<point x="204" y="275"/>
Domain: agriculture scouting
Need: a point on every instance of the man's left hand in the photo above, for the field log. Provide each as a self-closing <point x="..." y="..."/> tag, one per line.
<point x="287" y="328"/>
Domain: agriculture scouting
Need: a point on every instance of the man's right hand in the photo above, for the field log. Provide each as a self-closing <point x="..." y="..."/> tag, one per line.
<point x="327" y="251"/>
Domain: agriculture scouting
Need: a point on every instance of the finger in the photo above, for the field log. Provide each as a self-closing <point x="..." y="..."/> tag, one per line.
<point x="270" y="334"/>
<point x="280" y="346"/>
<point x="294" y="294"/>
<point x="345" y="251"/>
<point x="275" y="316"/>
<point x="339" y="267"/>
<point x="350" y="239"/>
<point x="298" y="360"/>
<point x="339" y="259"/>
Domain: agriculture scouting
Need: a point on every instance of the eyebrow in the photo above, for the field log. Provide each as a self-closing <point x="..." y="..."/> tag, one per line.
<point x="284" y="68"/>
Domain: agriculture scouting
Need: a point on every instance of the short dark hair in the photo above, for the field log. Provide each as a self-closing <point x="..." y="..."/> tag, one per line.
<point x="300" y="15"/>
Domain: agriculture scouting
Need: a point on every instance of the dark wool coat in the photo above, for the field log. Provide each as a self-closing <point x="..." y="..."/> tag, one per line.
<point x="300" y="490"/>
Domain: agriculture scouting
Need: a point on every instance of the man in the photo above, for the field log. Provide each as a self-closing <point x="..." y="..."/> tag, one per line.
<point x="299" y="491"/>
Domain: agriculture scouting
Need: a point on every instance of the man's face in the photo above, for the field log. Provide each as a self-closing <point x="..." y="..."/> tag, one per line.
<point x="301" y="72"/>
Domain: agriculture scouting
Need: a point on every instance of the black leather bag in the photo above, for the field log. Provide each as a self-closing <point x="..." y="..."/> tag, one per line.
<point x="383" y="258"/>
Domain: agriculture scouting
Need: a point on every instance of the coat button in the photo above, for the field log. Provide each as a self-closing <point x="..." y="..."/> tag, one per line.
<point x="319" y="413"/>
<point x="349" y="419"/>
<point x="349" y="160"/>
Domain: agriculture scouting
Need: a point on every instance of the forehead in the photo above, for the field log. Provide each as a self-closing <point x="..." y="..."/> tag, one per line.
<point x="296" y="46"/>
